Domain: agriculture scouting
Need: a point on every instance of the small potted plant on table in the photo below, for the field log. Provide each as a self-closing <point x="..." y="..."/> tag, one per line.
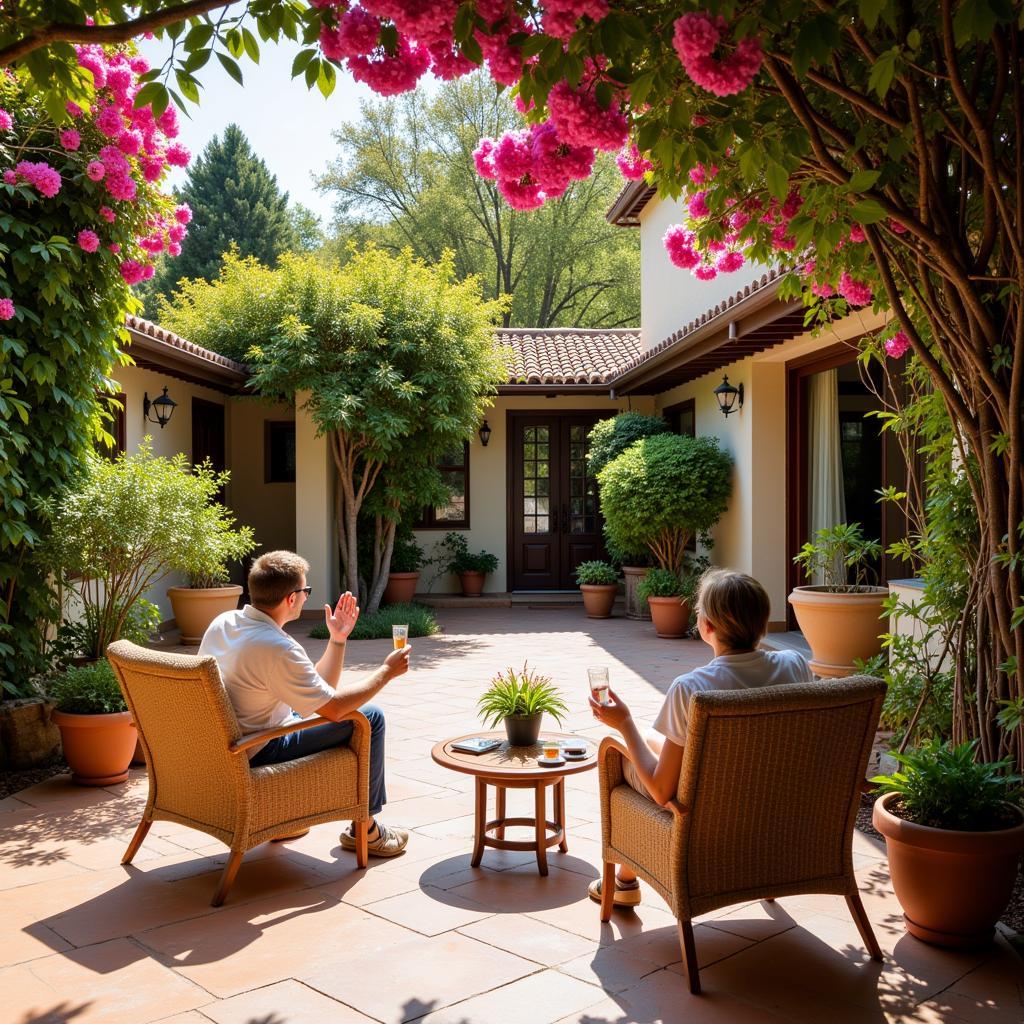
<point x="471" y="568"/>
<point x="519" y="698"/>
<point x="95" y="725"/>
<point x="599" y="583"/>
<point x="954" y="838"/>
<point x="667" y="595"/>
<point x="840" y="618"/>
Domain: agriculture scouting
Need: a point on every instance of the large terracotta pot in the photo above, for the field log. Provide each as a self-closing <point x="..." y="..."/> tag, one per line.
<point x="472" y="583"/>
<point x="598" y="599"/>
<point x="523" y="730"/>
<point x="635" y="608"/>
<point x="401" y="588"/>
<point x="196" y="607"/>
<point x="840" y="627"/>
<point x="671" y="616"/>
<point x="98" y="748"/>
<point x="952" y="885"/>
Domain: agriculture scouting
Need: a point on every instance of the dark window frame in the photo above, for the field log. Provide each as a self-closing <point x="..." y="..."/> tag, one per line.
<point x="428" y="518"/>
<point x="674" y="415"/>
<point x="116" y="405"/>
<point x="269" y="427"/>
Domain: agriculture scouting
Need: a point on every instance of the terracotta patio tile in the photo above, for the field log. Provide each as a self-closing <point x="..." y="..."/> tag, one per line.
<point x="754" y="921"/>
<point x="434" y="974"/>
<point x="12" y="803"/>
<point x="429" y="911"/>
<point x="610" y="968"/>
<point x="545" y="997"/>
<point x="287" y="1002"/>
<point x="533" y="940"/>
<point x="113" y="983"/>
<point x="243" y="947"/>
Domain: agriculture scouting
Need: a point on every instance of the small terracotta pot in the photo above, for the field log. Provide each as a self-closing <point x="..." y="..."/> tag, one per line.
<point x="840" y="627"/>
<point x="401" y="588"/>
<point x="472" y="583"/>
<point x="635" y="608"/>
<point x="671" y="616"/>
<point x="598" y="599"/>
<point x="952" y="885"/>
<point x="196" y="607"/>
<point x="523" y="730"/>
<point x="98" y="748"/>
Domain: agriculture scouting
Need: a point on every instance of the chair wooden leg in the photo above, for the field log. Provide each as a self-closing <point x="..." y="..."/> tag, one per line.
<point x="608" y="891"/>
<point x="362" y="830"/>
<point x="864" y="926"/>
<point x="689" y="950"/>
<point x="227" y="877"/>
<point x="133" y="846"/>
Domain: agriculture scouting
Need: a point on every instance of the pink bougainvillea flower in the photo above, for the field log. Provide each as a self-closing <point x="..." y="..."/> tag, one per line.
<point x="632" y="164"/>
<point x="705" y="273"/>
<point x="697" y="206"/>
<point x="130" y="141"/>
<point x="88" y="241"/>
<point x="178" y="155"/>
<point x="897" y="229"/>
<point x="856" y="293"/>
<point x="70" y="139"/>
<point x="41" y="175"/>
<point x="448" y="62"/>
<point x="132" y="271"/>
<point x="6" y="121"/>
<point x="121" y="186"/>
<point x="504" y="59"/>
<point x="107" y="214"/>
<point x="897" y="345"/>
<point x="10" y="177"/>
<point x="696" y="37"/>
<point x="183" y="213"/>
<point x="822" y="290"/>
<point x="681" y="248"/>
<point x="73" y="109"/>
<point x="730" y="262"/>
<point x="174" y="249"/>
<point x="6" y="309"/>
<point x="582" y="121"/>
<point x="521" y="195"/>
<point x="857" y="233"/>
<point x="176" y="232"/>
<point x="483" y="159"/>
<point x="357" y="33"/>
<point x="114" y="247"/>
<point x="110" y="122"/>
<point x="513" y="154"/>
<point x="561" y="16"/>
<point x="95" y="170"/>
<point x="389" y="75"/>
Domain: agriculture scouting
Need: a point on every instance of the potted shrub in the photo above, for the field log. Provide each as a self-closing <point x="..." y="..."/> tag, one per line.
<point x="125" y="525"/>
<point x="839" y="618"/>
<point x="663" y="491"/>
<point x="95" y="726"/>
<point x="404" y="574"/>
<point x="519" y="699"/>
<point x="954" y="839"/>
<point x="607" y="441"/>
<point x="667" y="595"/>
<point x="471" y="568"/>
<point x="599" y="583"/>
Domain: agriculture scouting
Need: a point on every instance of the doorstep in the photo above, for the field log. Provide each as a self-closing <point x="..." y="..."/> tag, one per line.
<point x="792" y="640"/>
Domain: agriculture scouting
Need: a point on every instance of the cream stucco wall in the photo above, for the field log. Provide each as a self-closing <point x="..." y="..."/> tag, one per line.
<point x="669" y="297"/>
<point x="751" y="536"/>
<point x="315" y="537"/>
<point x="488" y="480"/>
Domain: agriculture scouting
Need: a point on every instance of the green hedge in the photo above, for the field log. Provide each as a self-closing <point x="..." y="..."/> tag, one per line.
<point x="420" y="619"/>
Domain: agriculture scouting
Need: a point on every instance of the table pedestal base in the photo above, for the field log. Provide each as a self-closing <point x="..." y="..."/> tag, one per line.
<point x="547" y="833"/>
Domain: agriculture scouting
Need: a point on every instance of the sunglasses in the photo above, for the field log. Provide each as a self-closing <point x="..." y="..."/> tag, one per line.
<point x="303" y="590"/>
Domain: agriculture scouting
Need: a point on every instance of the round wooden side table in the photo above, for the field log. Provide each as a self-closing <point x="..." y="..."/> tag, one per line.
<point x="507" y="768"/>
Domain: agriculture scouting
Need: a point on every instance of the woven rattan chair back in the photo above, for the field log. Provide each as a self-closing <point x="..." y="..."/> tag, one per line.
<point x="186" y="726"/>
<point x="772" y="779"/>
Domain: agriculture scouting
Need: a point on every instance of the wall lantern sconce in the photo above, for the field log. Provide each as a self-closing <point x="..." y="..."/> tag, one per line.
<point x="727" y="395"/>
<point x="485" y="433"/>
<point x="163" y="406"/>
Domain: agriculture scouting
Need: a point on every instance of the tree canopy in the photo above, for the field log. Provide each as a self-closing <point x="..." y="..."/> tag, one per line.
<point x="408" y="163"/>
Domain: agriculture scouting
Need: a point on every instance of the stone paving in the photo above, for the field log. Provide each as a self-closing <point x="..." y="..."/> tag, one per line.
<point x="305" y="937"/>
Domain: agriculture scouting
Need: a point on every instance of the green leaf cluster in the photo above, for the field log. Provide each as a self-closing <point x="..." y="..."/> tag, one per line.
<point x="596" y="574"/>
<point x="944" y="786"/>
<point x="519" y="692"/>
<point x="377" y="625"/>
<point x="87" y="690"/>
<point x="451" y="554"/>
<point x="609" y="438"/>
<point x="837" y="553"/>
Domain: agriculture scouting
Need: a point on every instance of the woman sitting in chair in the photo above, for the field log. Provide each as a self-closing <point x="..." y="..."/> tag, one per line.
<point x="732" y="617"/>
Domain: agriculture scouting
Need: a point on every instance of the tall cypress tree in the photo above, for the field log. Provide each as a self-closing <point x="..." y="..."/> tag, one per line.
<point x="234" y="200"/>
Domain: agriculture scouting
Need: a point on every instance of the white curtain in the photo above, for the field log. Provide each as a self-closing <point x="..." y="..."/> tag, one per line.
<point x="825" y="476"/>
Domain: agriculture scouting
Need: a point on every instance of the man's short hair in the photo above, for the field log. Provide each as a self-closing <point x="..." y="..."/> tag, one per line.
<point x="274" y="576"/>
<point x="736" y="605"/>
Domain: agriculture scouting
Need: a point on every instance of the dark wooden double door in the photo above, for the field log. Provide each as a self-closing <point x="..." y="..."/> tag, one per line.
<point x="554" y="519"/>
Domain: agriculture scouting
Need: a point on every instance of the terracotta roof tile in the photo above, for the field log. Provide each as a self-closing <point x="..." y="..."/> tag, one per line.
<point x="567" y="355"/>
<point x="157" y="333"/>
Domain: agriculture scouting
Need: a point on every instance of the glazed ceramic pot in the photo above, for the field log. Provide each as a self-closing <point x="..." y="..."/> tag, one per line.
<point x="953" y="886"/>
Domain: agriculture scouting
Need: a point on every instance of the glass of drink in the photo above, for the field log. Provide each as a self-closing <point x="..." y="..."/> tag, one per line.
<point x="598" y="675"/>
<point x="399" y="635"/>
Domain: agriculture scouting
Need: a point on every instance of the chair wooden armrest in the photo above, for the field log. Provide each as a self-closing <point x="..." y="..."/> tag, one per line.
<point x="611" y="746"/>
<point x="256" y="739"/>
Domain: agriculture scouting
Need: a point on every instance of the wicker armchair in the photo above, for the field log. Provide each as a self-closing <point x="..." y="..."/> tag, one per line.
<point x="766" y="804"/>
<point x="199" y="772"/>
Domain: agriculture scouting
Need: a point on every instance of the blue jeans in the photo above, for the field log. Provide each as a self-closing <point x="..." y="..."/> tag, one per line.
<point x="333" y="734"/>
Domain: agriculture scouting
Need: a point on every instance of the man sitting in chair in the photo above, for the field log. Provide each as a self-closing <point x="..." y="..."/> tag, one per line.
<point x="271" y="680"/>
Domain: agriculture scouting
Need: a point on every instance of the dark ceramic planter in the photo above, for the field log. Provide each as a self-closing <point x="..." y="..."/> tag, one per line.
<point x="523" y="730"/>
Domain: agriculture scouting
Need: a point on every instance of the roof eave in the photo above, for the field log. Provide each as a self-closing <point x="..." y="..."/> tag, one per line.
<point x="153" y="354"/>
<point x="629" y="204"/>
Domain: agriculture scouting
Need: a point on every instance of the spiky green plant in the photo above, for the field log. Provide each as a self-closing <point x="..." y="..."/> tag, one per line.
<point x="517" y="692"/>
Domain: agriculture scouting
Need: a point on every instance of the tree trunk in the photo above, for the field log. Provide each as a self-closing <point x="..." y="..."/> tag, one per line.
<point x="385" y="534"/>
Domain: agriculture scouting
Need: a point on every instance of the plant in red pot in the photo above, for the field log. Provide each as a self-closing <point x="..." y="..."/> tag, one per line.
<point x="954" y="831"/>
<point x="95" y="726"/>
<point x="472" y="568"/>
<point x="668" y="596"/>
<point x="404" y="574"/>
<point x="599" y="584"/>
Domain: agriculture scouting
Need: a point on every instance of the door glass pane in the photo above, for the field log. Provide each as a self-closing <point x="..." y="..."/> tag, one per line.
<point x="536" y="475"/>
<point x="582" y="501"/>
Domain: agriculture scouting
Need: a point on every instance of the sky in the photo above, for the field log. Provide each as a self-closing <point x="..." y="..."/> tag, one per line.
<point x="287" y="125"/>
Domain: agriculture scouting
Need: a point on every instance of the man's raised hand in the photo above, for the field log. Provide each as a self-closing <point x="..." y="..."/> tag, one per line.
<point x="342" y="620"/>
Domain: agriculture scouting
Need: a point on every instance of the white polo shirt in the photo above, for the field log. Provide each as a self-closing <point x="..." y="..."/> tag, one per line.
<point x="728" y="672"/>
<point x="268" y="675"/>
